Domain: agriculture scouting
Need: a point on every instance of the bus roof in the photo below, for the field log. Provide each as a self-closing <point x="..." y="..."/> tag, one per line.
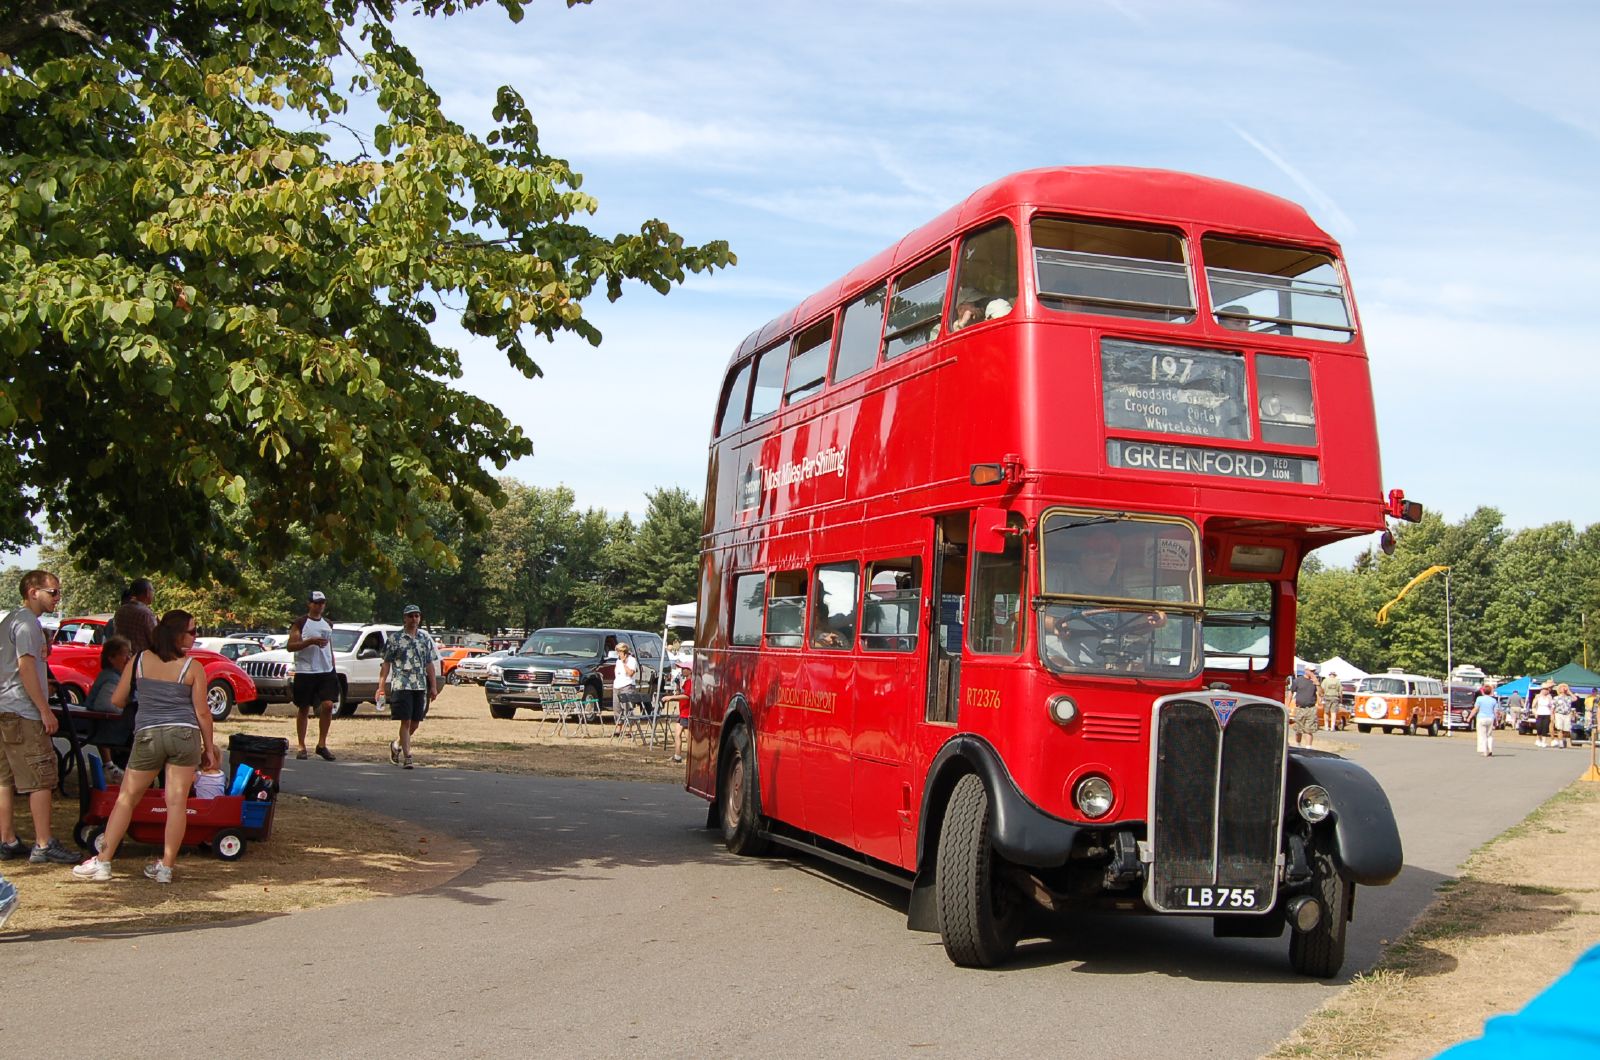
<point x="1113" y="192"/>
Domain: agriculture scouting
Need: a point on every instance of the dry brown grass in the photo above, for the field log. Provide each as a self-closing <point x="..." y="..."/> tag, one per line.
<point x="459" y="732"/>
<point x="318" y="855"/>
<point x="1522" y="911"/>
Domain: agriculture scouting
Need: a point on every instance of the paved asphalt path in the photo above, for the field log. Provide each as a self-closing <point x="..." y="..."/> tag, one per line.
<point x="603" y="918"/>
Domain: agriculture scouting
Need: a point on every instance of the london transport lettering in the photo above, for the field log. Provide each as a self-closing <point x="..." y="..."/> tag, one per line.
<point x="806" y="699"/>
<point x="1225" y="463"/>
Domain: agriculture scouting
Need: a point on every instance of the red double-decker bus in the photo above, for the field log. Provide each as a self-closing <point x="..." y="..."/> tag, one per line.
<point x="997" y="593"/>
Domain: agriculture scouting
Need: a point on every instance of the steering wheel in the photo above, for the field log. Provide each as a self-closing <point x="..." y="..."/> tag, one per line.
<point x="1111" y="621"/>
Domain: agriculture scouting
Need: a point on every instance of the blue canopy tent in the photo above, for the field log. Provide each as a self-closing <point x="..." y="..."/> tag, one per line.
<point x="1506" y="689"/>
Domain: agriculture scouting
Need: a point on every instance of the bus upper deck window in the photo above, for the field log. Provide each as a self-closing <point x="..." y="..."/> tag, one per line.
<point x="733" y="400"/>
<point x="986" y="278"/>
<point x="1283" y="388"/>
<point x="1112" y="270"/>
<point x="914" y="310"/>
<point x="809" y="365"/>
<point x="768" y="391"/>
<point x="1276" y="290"/>
<point x="859" y="334"/>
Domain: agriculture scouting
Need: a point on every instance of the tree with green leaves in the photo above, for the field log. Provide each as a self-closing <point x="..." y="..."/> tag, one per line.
<point x="215" y="290"/>
<point x="663" y="565"/>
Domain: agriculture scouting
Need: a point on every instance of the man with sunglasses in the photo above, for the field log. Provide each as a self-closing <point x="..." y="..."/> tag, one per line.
<point x="27" y="759"/>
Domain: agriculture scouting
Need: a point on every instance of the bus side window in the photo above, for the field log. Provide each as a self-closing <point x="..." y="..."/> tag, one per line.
<point x="986" y="279"/>
<point x="889" y="613"/>
<point x="914" y="310"/>
<point x="733" y="400"/>
<point x="833" y="613"/>
<point x="996" y="627"/>
<point x="768" y="390"/>
<point x="859" y="334"/>
<point x="786" y="610"/>
<point x="809" y="365"/>
<point x="749" y="600"/>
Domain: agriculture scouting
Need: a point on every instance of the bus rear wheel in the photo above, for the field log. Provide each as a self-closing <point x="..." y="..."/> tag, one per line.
<point x="736" y="791"/>
<point x="1319" y="952"/>
<point x="979" y="912"/>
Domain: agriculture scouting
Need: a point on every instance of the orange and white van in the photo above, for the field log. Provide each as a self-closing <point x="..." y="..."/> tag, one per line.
<point x="1399" y="702"/>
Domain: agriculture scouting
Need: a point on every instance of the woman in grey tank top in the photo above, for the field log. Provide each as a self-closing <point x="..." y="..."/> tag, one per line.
<point x="172" y="731"/>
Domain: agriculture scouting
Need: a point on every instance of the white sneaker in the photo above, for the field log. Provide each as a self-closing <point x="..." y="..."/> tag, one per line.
<point x="93" y="869"/>
<point x="158" y="872"/>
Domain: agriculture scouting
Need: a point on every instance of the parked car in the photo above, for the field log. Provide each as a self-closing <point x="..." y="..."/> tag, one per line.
<point x="75" y="662"/>
<point x="234" y="648"/>
<point x="357" y="658"/>
<point x="451" y="658"/>
<point x="474" y="669"/>
<point x="571" y="659"/>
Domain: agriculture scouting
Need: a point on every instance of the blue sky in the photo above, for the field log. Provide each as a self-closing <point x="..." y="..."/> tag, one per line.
<point x="1451" y="147"/>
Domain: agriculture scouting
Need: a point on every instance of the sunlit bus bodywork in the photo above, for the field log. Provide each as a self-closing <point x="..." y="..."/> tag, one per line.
<point x="1399" y="702"/>
<point x="997" y="592"/>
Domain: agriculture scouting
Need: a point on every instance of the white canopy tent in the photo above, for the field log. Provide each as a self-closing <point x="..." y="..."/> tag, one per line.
<point x="678" y="616"/>
<point x="1347" y="671"/>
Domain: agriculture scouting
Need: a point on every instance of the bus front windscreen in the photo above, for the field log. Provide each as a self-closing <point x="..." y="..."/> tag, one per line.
<point x="1118" y="595"/>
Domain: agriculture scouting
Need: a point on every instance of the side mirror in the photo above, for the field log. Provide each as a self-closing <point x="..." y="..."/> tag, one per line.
<point x="368" y="653"/>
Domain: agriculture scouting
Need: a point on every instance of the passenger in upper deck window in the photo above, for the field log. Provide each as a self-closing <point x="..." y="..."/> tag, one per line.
<point x="966" y="314"/>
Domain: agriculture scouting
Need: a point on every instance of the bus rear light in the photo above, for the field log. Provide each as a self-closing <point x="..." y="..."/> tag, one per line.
<point x="1093" y="796"/>
<point x="1063" y="709"/>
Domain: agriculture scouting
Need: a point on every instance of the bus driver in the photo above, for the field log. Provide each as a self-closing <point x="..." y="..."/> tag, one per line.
<point x="1095" y="638"/>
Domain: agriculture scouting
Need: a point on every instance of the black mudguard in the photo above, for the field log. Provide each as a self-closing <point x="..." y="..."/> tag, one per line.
<point x="1022" y="833"/>
<point x="1366" y="839"/>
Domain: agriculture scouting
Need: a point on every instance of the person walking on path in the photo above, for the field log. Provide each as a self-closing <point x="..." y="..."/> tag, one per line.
<point x="316" y="683"/>
<point x="172" y="732"/>
<point x="1543" y="705"/>
<point x="27" y="759"/>
<point x="1305" y="695"/>
<point x="409" y="659"/>
<point x="623" y="683"/>
<point x="135" y="619"/>
<point x="1561" y="715"/>
<point x="1332" y="696"/>
<point x="1483" y="709"/>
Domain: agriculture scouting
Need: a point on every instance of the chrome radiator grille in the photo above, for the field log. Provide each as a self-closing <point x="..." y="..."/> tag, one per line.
<point x="1217" y="805"/>
<point x="264" y="669"/>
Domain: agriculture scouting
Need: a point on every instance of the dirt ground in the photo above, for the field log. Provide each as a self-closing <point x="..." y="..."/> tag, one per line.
<point x="1526" y="905"/>
<point x="318" y="855"/>
<point x="459" y="732"/>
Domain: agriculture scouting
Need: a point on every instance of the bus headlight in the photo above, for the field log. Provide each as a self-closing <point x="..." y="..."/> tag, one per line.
<point x="1314" y="803"/>
<point x="1093" y="796"/>
<point x="1062" y="709"/>
<point x="565" y="677"/>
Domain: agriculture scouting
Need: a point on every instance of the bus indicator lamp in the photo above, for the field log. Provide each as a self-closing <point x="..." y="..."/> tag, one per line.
<point x="1062" y="709"/>
<point x="1315" y="804"/>
<point x="1093" y="796"/>
<point x="987" y="474"/>
<point x="1305" y="913"/>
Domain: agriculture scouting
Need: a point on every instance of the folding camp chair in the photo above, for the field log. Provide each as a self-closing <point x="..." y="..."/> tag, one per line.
<point x="570" y="709"/>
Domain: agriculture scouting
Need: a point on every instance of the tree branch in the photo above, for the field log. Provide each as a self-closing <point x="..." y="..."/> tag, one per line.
<point x="42" y="17"/>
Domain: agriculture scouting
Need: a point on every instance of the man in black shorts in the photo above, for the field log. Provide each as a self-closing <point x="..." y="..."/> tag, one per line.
<point x="316" y="683"/>
<point x="408" y="673"/>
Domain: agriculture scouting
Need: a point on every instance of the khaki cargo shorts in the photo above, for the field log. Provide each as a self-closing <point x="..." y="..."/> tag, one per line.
<point x="162" y="745"/>
<point x="1305" y="721"/>
<point x="27" y="758"/>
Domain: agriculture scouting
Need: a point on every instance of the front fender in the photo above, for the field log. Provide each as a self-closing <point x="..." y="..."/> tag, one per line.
<point x="1367" y="846"/>
<point x="1020" y="831"/>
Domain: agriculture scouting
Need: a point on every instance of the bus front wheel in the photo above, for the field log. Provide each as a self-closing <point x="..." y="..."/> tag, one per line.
<point x="979" y="911"/>
<point x="1319" y="952"/>
<point x="736" y="788"/>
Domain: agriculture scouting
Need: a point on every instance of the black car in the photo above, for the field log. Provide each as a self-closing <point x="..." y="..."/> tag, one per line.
<point x="557" y="664"/>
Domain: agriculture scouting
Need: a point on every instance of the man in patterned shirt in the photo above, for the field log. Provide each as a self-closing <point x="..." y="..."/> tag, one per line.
<point x="409" y="661"/>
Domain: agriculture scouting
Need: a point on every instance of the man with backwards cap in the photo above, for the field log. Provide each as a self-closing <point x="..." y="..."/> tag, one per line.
<point x="408" y="672"/>
<point x="316" y="683"/>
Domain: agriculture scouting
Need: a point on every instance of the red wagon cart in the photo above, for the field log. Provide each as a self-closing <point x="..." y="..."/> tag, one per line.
<point x="219" y="822"/>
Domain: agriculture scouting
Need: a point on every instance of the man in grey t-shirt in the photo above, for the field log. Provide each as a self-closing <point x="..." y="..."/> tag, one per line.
<point x="27" y="759"/>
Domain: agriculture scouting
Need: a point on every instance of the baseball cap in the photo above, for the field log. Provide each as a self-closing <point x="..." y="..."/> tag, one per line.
<point x="316" y="597"/>
<point x="411" y="609"/>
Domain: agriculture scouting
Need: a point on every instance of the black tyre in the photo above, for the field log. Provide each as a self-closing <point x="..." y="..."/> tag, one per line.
<point x="503" y="713"/>
<point x="81" y="833"/>
<point x="979" y="912"/>
<point x="736" y="791"/>
<point x="343" y="705"/>
<point x="1433" y="728"/>
<point x="452" y="678"/>
<point x="94" y="838"/>
<point x="71" y="696"/>
<point x="219" y="698"/>
<point x="1319" y="952"/>
<point x="254" y="707"/>
<point x="1340" y="722"/>
<point x="1411" y="726"/>
<point x="228" y="845"/>
<point x="1363" y="728"/>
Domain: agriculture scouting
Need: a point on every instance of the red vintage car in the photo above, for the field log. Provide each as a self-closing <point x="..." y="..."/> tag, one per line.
<point x="75" y="662"/>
